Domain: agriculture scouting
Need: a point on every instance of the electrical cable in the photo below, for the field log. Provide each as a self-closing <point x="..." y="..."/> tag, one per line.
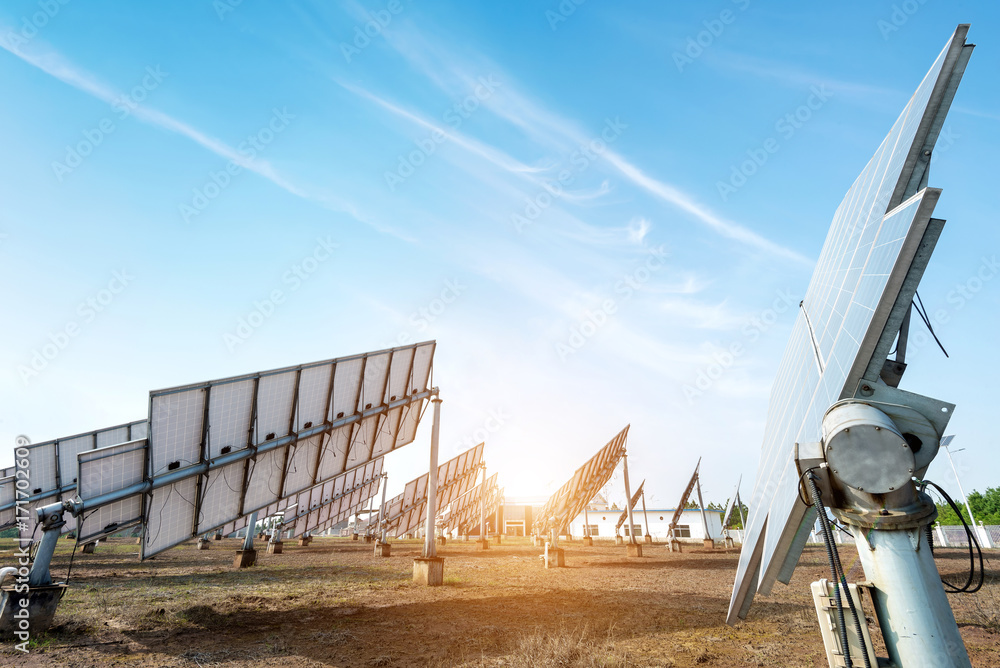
<point x="830" y="551"/>
<point x="918" y="306"/>
<point x="838" y="573"/>
<point x="967" y="588"/>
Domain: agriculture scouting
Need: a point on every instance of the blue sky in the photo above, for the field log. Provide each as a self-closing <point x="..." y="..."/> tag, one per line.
<point x="552" y="192"/>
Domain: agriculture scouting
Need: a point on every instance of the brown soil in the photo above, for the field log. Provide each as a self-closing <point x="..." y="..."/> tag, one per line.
<point x="334" y="604"/>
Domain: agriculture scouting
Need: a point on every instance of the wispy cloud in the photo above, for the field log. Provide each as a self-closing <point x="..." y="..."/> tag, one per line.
<point x="551" y="129"/>
<point x="55" y="65"/>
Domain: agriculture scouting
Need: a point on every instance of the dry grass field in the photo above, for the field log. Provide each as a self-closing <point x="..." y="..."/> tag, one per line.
<point x="334" y="604"/>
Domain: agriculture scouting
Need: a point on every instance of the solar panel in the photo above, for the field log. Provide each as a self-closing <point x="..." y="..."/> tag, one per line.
<point x="684" y="498"/>
<point x="106" y="470"/>
<point x="356" y="488"/>
<point x="52" y="471"/>
<point x="877" y="247"/>
<point x="631" y="504"/>
<point x="570" y="499"/>
<point x="275" y="433"/>
<point x="405" y="512"/>
<point x="464" y="511"/>
<point x="8" y="491"/>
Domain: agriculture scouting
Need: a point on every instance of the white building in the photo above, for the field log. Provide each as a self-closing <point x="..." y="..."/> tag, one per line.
<point x="689" y="527"/>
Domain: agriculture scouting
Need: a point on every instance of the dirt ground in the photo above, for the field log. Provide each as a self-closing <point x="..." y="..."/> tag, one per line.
<point x="335" y="604"/>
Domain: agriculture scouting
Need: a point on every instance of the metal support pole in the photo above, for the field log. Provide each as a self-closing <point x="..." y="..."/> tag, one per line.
<point x="381" y="512"/>
<point x="743" y="524"/>
<point x="586" y="523"/>
<point x="968" y="508"/>
<point x="482" y="507"/>
<point x="628" y="502"/>
<point x="39" y="575"/>
<point x="913" y="611"/>
<point x="498" y="529"/>
<point x="430" y="549"/>
<point x="645" y="517"/>
<point x="701" y="504"/>
<point x="251" y="528"/>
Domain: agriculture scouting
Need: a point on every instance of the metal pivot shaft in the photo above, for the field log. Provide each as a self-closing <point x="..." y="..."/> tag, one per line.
<point x="628" y="501"/>
<point x="251" y="528"/>
<point x="381" y="512"/>
<point x="51" y="523"/>
<point x="701" y="504"/>
<point x="645" y="517"/>
<point x="482" y="506"/>
<point x="430" y="548"/>
<point x="868" y="469"/>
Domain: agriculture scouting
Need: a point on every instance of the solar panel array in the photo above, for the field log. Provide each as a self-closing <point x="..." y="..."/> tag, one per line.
<point x="405" y="512"/>
<point x="570" y="499"/>
<point x="684" y="498"/>
<point x="465" y="512"/>
<point x="8" y="506"/>
<point x="221" y="450"/>
<point x="51" y="472"/>
<point x="861" y="289"/>
<point x="631" y="504"/>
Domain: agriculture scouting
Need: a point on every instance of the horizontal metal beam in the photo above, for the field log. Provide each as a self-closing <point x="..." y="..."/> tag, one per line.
<point x="78" y="507"/>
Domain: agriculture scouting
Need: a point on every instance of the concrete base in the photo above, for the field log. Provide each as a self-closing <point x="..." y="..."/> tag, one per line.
<point x="138" y="541"/>
<point x="588" y="541"/>
<point x="71" y="536"/>
<point x="88" y="548"/>
<point x="675" y="546"/>
<point x="354" y="536"/>
<point x="497" y="539"/>
<point x="649" y="539"/>
<point x="275" y="548"/>
<point x="482" y="544"/>
<point x="202" y="544"/>
<point x="382" y="549"/>
<point x="619" y="540"/>
<point x="465" y="538"/>
<point x="304" y="541"/>
<point x="537" y="541"/>
<point x="633" y="550"/>
<point x="429" y="571"/>
<point x="42" y="603"/>
<point x="441" y="540"/>
<point x="708" y="543"/>
<point x="369" y="539"/>
<point x="555" y="557"/>
<point x="245" y="558"/>
<point x="218" y="536"/>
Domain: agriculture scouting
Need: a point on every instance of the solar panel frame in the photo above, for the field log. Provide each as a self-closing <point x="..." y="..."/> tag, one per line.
<point x="570" y="499"/>
<point x="407" y="510"/>
<point x="464" y="511"/>
<point x="104" y="470"/>
<point x="360" y="402"/>
<point x="52" y="470"/>
<point x="878" y="245"/>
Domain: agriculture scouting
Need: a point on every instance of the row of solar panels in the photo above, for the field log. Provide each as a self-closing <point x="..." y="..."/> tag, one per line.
<point x="212" y="453"/>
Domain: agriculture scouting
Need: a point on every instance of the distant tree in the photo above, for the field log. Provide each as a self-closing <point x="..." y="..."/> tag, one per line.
<point x="734" y="518"/>
<point x="985" y="506"/>
<point x="691" y="504"/>
<point x="8" y="533"/>
<point x="614" y="506"/>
